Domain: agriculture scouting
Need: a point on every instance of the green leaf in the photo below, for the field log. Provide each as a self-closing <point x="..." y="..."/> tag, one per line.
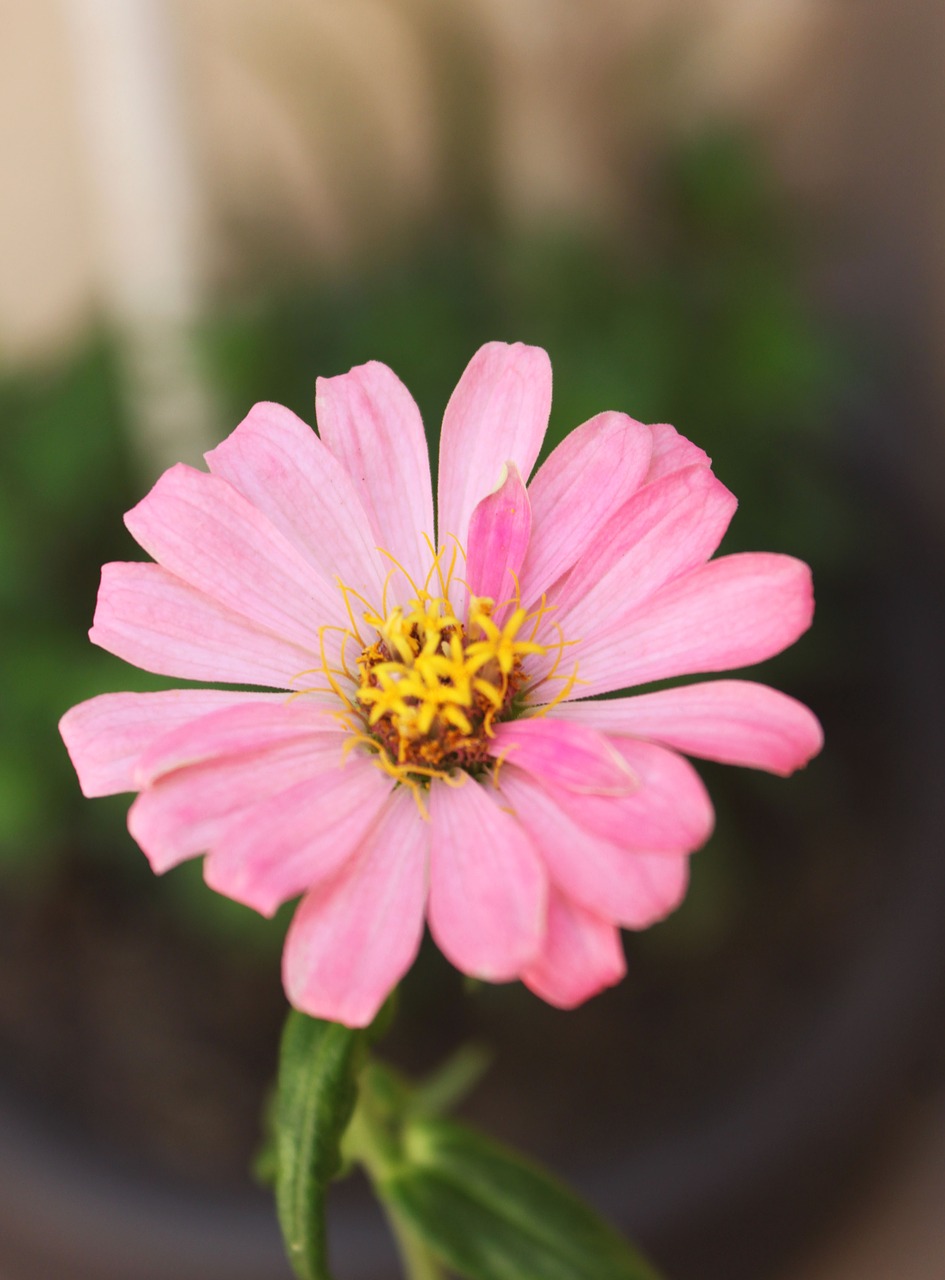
<point x="317" y="1090"/>
<point x="491" y="1215"/>
<point x="452" y="1082"/>
<point x="264" y="1166"/>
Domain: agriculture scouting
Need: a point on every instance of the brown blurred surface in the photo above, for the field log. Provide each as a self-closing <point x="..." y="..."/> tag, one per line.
<point x="894" y="1228"/>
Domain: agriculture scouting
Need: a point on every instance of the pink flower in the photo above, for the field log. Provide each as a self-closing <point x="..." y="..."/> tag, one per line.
<point x="435" y="748"/>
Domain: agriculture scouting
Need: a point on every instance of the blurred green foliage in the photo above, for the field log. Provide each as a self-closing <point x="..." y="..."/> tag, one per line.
<point x="710" y="330"/>
<point x="64" y="481"/>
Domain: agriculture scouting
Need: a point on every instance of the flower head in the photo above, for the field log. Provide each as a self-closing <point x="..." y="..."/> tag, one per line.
<point x="416" y="731"/>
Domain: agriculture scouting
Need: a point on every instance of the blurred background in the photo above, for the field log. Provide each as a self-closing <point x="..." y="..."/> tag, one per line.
<point x="717" y="213"/>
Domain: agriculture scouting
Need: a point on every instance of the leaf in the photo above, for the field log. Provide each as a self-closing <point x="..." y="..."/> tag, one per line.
<point x="451" y="1083"/>
<point x="264" y="1166"/>
<point x="318" y="1068"/>
<point x="491" y="1215"/>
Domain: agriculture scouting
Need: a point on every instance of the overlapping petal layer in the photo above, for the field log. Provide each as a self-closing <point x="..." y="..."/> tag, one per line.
<point x="298" y="837"/>
<point x="107" y="735"/>
<point x="369" y="421"/>
<point x="186" y="812"/>
<point x="488" y="888"/>
<point x="280" y="466"/>
<point x="498" y="412"/>
<point x="159" y="623"/>
<point x="585" y="480"/>
<point x="616" y="881"/>
<point x="499" y="530"/>
<point x="731" y="612"/>
<point x="732" y="721"/>
<point x="355" y="936"/>
<point x="581" y="955"/>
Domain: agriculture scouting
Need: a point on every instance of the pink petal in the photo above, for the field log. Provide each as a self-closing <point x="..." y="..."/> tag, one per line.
<point x="733" y="721"/>
<point x="498" y="539"/>
<point x="731" y="612"/>
<point x="669" y="812"/>
<point x="106" y="735"/>
<point x="294" y="840"/>
<point x="185" y="812"/>
<point x="369" y="421"/>
<point x="673" y="452"/>
<point x="151" y="618"/>
<point x="632" y="888"/>
<point x="664" y="530"/>
<point x="488" y="888"/>
<point x="587" y="478"/>
<point x="564" y="755"/>
<point x="498" y="411"/>
<point x="581" y="956"/>
<point x="354" y="937"/>
<point x="200" y="529"/>
<point x="241" y="730"/>
<point x="281" y="467"/>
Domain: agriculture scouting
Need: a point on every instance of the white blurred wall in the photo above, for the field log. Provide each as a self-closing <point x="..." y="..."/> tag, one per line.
<point x="46" y="271"/>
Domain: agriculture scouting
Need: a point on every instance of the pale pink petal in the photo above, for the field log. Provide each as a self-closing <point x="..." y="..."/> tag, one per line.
<point x="581" y="956"/>
<point x="588" y="812"/>
<point x="731" y="612"/>
<point x="732" y="721"/>
<point x="660" y="882"/>
<point x="498" y="411"/>
<point x="279" y="464"/>
<point x="488" y="888"/>
<point x="629" y="886"/>
<point x="291" y="842"/>
<point x="564" y="755"/>
<point x="354" y="937"/>
<point x="369" y="421"/>
<point x="588" y="477"/>
<point x="200" y="529"/>
<point x="106" y="735"/>
<point x="151" y="618"/>
<point x="498" y="539"/>
<point x="663" y="531"/>
<point x="240" y="730"/>
<point x="185" y="812"/>
<point x="673" y="452"/>
<point x="669" y="812"/>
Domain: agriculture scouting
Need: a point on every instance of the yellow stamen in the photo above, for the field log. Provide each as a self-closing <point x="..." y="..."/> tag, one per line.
<point x="428" y="688"/>
<point x="346" y="593"/>
<point x="431" y="687"/>
<point x="397" y="565"/>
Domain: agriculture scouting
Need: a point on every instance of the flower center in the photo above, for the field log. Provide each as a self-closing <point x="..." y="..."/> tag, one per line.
<point x="431" y="689"/>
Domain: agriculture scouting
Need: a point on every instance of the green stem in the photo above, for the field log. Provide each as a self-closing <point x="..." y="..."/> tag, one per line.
<point x="367" y="1142"/>
<point x="419" y="1263"/>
